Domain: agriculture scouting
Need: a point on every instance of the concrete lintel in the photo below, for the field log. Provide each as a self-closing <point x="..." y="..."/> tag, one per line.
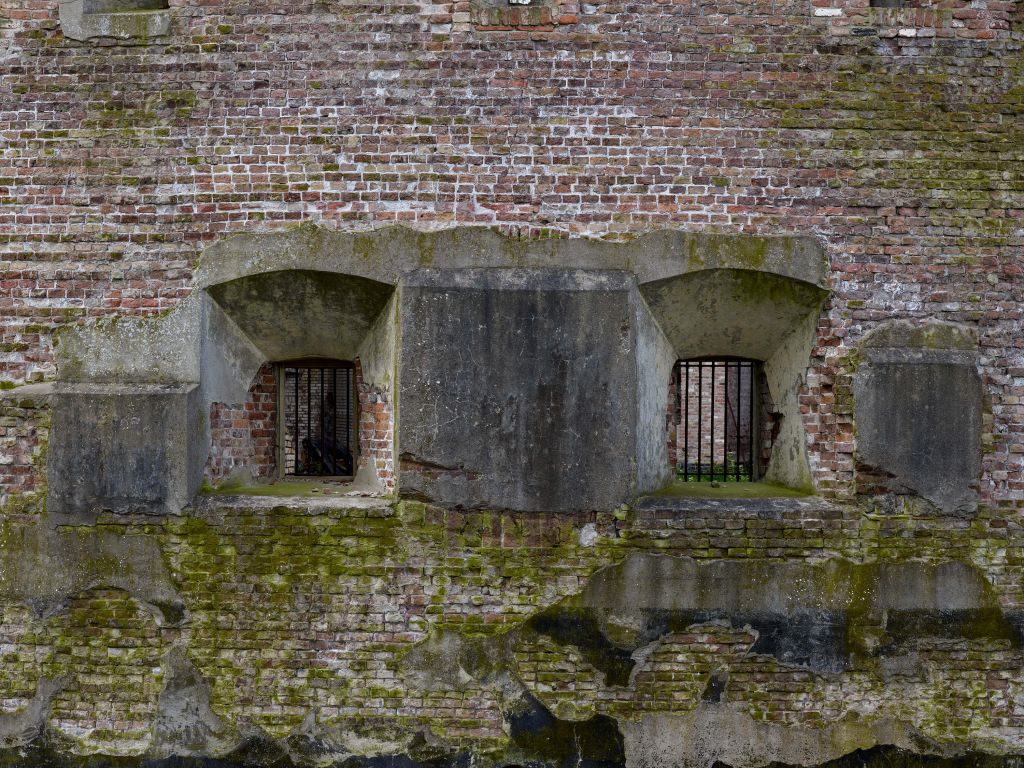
<point x="388" y="253"/>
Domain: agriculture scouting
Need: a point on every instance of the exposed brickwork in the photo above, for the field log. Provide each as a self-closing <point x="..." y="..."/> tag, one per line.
<point x="244" y="439"/>
<point x="376" y="430"/>
<point x="292" y="609"/>
<point x="917" y="22"/>
<point x="24" y="433"/>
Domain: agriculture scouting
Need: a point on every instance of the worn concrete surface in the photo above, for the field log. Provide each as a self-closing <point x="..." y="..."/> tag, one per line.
<point x="520" y="388"/>
<point x="918" y="407"/>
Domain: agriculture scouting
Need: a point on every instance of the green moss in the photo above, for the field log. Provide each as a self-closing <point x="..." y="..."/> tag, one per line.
<point x="705" y="490"/>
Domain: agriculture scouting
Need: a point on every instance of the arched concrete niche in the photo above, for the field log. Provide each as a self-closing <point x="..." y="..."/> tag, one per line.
<point x="131" y="425"/>
<point x="760" y="315"/>
<point x="304" y="313"/>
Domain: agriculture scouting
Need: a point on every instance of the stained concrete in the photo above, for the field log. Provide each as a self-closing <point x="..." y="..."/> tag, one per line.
<point x="519" y="389"/>
<point x="759" y="315"/>
<point x="123" y="448"/>
<point x="387" y="253"/>
<point x="918" y="409"/>
<point x="302" y="313"/>
<point x="138" y="21"/>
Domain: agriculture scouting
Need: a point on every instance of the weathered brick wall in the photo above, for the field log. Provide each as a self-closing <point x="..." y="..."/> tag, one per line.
<point x="124" y="161"/>
<point x="24" y="434"/>
<point x="289" y="607"/>
<point x="244" y="439"/>
<point x="892" y="136"/>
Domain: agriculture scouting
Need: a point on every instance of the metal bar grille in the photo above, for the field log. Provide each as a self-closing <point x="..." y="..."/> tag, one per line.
<point x="719" y="433"/>
<point x="319" y="419"/>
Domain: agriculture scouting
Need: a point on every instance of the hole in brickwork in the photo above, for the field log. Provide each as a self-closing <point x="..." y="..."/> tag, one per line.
<point x="124" y="6"/>
<point x="318" y="420"/>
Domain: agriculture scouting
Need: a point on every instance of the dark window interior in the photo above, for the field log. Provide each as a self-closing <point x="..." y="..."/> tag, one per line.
<point x="718" y="399"/>
<point x="318" y="418"/>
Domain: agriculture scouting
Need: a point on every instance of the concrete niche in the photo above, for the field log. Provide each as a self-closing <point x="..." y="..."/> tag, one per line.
<point x="131" y="427"/>
<point x="520" y="388"/>
<point x="918" y="408"/>
<point x="770" y="316"/>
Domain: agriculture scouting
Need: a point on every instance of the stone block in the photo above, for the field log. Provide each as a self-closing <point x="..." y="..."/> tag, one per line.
<point x="918" y="409"/>
<point x="519" y="389"/>
<point x="126" y="448"/>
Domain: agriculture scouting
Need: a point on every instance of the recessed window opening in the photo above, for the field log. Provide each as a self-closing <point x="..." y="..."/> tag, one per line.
<point x="124" y="6"/>
<point x="718" y="403"/>
<point x="318" y="423"/>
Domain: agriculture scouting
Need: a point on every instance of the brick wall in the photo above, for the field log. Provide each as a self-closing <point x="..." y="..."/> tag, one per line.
<point x="125" y="161"/>
<point x="244" y="439"/>
<point x="376" y="430"/>
<point x="24" y="433"/>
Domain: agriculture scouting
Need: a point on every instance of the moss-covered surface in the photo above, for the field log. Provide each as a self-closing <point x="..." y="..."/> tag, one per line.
<point x="730" y="490"/>
<point x="301" y="609"/>
<point x="283" y="488"/>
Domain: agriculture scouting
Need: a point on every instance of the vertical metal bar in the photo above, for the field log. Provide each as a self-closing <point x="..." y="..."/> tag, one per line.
<point x="725" y="423"/>
<point x="686" y="425"/>
<point x="753" y="426"/>
<point x="713" y="383"/>
<point x="700" y="417"/>
<point x="739" y="419"/>
<point x="334" y="415"/>
<point x="323" y="445"/>
<point x="309" y="407"/>
<point x="295" y="444"/>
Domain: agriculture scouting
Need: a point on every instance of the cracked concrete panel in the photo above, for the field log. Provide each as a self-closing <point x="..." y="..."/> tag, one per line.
<point x="519" y="388"/>
<point x="918" y="409"/>
<point x="123" y="448"/>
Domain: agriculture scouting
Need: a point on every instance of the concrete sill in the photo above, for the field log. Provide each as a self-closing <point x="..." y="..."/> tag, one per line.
<point x="136" y="26"/>
<point x="292" y="494"/>
<point x="681" y="490"/>
<point x="757" y="499"/>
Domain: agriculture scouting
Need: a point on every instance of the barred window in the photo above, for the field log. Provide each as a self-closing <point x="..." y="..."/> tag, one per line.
<point x="719" y="410"/>
<point x="318" y="424"/>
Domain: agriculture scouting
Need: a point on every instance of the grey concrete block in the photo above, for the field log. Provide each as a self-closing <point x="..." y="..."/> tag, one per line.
<point x="89" y="19"/>
<point x="123" y="448"/>
<point x="519" y="388"/>
<point x="918" y="410"/>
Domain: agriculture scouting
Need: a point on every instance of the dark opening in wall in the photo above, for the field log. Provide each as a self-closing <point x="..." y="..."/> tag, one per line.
<point x="725" y="424"/>
<point x="318" y="423"/>
<point x="889" y="3"/>
<point x="124" y="6"/>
